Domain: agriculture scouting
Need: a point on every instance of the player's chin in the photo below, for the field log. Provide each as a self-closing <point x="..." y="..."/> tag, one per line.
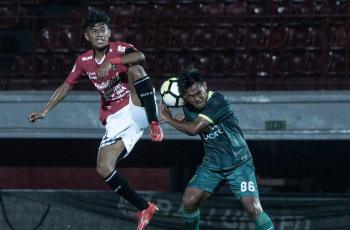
<point x="100" y="46"/>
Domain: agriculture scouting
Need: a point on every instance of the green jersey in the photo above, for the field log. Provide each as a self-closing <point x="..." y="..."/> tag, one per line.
<point x="224" y="144"/>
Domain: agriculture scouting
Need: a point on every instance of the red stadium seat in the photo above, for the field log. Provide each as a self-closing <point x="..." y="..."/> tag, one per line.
<point x="69" y="38"/>
<point x="217" y="64"/>
<point x="177" y="62"/>
<point x="122" y="10"/>
<point x="21" y="73"/>
<point x="48" y="39"/>
<point x="235" y="65"/>
<point x="313" y="65"/>
<point x="259" y="65"/>
<point x="301" y="7"/>
<point x="205" y="38"/>
<point x="278" y="37"/>
<point x="338" y="38"/>
<point x="155" y="65"/>
<point x="10" y="10"/>
<point x="279" y="7"/>
<point x="183" y="37"/>
<point x="118" y="33"/>
<point x="187" y="8"/>
<point x="298" y="37"/>
<point x="259" y="37"/>
<point x="212" y="8"/>
<point x="279" y="65"/>
<point x="162" y="37"/>
<point x="315" y="37"/>
<point x="203" y="62"/>
<point x="45" y="65"/>
<point x="258" y="7"/>
<point x="63" y="64"/>
<point x="140" y="38"/>
<point x="22" y="67"/>
<point x="336" y="63"/>
<point x="231" y="37"/>
<point x="237" y="7"/>
<point x="165" y="8"/>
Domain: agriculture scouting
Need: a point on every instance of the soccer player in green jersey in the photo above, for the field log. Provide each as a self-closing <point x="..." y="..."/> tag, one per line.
<point x="227" y="156"/>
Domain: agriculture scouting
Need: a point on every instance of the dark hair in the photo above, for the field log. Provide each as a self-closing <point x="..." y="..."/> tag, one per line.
<point x="188" y="78"/>
<point x="95" y="16"/>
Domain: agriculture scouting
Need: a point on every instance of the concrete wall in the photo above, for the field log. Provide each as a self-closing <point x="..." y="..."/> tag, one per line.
<point x="291" y="115"/>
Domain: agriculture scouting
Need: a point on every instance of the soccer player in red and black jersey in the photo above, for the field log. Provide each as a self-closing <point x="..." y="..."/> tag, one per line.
<point x="127" y="103"/>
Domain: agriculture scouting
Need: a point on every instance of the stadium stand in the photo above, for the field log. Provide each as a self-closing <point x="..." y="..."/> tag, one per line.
<point x="296" y="34"/>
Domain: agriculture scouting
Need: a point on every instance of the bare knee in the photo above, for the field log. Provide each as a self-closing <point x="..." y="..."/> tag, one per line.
<point x="104" y="166"/>
<point x="252" y="207"/>
<point x="103" y="169"/>
<point x="191" y="201"/>
<point x="136" y="72"/>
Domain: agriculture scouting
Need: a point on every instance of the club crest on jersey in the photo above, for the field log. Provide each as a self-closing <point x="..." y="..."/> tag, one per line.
<point x="121" y="49"/>
<point x="212" y="133"/>
<point x="86" y="58"/>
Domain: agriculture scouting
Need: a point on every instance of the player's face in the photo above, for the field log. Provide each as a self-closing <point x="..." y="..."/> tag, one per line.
<point x="98" y="35"/>
<point x="197" y="95"/>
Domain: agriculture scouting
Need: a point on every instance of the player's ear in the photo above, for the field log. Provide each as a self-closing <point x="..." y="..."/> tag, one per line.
<point x="205" y="86"/>
<point x="109" y="32"/>
<point x="86" y="36"/>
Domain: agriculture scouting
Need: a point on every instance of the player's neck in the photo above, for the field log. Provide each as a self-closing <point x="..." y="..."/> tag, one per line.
<point x="100" y="53"/>
<point x="99" y="57"/>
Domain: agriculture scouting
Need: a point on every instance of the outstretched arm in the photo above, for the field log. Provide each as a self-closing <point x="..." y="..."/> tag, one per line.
<point x="56" y="98"/>
<point x="190" y="128"/>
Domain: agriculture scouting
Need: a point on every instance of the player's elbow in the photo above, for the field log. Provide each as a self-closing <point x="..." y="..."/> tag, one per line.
<point x="140" y="56"/>
<point x="193" y="131"/>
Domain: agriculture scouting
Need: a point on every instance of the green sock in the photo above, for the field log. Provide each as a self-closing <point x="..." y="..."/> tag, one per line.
<point x="263" y="222"/>
<point x="191" y="219"/>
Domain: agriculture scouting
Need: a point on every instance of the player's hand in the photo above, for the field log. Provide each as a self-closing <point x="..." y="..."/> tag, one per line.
<point x="103" y="69"/>
<point x="180" y="117"/>
<point x="35" y="116"/>
<point x="165" y="113"/>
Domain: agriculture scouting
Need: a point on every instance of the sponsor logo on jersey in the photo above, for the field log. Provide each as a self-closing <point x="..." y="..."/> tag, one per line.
<point x="91" y="75"/>
<point x="86" y="58"/>
<point x="213" y="133"/>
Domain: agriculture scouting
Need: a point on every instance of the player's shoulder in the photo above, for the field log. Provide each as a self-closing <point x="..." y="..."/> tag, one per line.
<point x="120" y="46"/>
<point x="216" y="99"/>
<point x="84" y="57"/>
<point x="215" y="96"/>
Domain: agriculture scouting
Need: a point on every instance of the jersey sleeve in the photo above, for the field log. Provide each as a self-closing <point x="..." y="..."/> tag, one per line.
<point x="124" y="48"/>
<point x="76" y="73"/>
<point x="216" y="109"/>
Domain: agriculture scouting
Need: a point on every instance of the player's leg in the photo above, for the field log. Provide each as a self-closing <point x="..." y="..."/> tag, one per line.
<point x="106" y="161"/>
<point x="253" y="208"/>
<point x="243" y="184"/>
<point x="198" y="190"/>
<point x="123" y="130"/>
<point x="192" y="200"/>
<point x="143" y="94"/>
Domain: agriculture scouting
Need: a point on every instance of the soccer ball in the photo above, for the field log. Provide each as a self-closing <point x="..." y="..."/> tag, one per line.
<point x="170" y="93"/>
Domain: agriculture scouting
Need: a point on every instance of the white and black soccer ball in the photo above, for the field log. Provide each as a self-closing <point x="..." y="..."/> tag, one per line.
<point x="170" y="93"/>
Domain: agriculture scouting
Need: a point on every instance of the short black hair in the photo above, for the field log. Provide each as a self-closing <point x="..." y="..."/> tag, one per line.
<point x="95" y="16"/>
<point x="187" y="78"/>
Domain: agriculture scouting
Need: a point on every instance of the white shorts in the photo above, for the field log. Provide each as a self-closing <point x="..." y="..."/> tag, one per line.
<point x="127" y="124"/>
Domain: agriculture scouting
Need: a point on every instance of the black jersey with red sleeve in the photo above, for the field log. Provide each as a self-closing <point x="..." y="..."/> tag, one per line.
<point x="114" y="88"/>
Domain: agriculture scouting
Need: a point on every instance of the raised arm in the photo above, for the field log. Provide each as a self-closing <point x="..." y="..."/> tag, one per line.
<point x="132" y="57"/>
<point x="190" y="128"/>
<point x="60" y="93"/>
